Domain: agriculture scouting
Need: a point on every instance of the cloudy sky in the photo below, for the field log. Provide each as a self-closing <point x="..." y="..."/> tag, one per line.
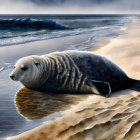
<point x="69" y="6"/>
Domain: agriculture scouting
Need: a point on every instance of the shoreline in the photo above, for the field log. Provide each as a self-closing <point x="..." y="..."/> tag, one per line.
<point x="120" y="51"/>
<point x="121" y="48"/>
<point x="15" y="52"/>
<point x="45" y="46"/>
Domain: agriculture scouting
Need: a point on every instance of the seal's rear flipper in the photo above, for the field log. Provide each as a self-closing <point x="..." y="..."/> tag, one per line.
<point x="134" y="84"/>
<point x="103" y="88"/>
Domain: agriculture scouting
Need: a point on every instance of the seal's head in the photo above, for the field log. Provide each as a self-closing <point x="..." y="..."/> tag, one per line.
<point x="27" y="70"/>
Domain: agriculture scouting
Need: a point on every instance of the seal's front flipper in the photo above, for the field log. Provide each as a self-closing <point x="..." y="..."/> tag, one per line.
<point x="103" y="88"/>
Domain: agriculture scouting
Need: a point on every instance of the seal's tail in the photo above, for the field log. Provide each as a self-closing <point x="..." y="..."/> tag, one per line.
<point x="135" y="84"/>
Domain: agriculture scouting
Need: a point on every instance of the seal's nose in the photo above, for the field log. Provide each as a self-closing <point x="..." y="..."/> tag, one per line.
<point x="12" y="77"/>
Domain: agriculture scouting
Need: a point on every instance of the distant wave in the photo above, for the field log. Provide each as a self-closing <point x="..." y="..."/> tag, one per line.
<point x="22" y="29"/>
<point x="29" y="24"/>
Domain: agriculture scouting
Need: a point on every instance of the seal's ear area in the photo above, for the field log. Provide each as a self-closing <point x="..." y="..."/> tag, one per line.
<point x="36" y="63"/>
<point x="102" y="87"/>
<point x="35" y="60"/>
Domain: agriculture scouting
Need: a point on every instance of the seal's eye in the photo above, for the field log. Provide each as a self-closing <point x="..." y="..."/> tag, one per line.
<point x="23" y="68"/>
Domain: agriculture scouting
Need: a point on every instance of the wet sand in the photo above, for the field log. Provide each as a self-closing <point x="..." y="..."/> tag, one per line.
<point x="38" y="47"/>
<point x="96" y="117"/>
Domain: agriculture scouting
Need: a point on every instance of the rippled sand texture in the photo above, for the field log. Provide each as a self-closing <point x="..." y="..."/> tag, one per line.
<point x="96" y="117"/>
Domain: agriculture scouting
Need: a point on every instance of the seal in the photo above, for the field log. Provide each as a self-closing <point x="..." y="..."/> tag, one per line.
<point x="72" y="71"/>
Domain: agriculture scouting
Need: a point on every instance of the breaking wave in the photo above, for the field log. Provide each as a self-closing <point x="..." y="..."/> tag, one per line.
<point x="29" y="24"/>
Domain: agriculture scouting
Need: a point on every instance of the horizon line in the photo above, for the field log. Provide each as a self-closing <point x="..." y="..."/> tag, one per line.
<point x="70" y="14"/>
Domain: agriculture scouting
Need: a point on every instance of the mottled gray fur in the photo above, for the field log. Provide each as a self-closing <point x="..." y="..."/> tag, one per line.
<point x="73" y="72"/>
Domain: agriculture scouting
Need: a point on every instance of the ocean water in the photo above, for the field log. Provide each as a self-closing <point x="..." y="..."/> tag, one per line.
<point x="15" y="29"/>
<point x="19" y="29"/>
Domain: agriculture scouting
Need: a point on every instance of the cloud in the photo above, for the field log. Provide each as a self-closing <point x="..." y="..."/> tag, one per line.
<point x="12" y="6"/>
<point x="68" y="6"/>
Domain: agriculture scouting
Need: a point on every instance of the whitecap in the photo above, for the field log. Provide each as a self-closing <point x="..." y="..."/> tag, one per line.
<point x="1" y="69"/>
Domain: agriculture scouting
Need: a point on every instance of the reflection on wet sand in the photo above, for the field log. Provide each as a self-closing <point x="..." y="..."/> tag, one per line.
<point x="95" y="117"/>
<point x="36" y="105"/>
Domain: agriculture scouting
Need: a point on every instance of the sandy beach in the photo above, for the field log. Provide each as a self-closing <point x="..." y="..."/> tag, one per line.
<point x="93" y="117"/>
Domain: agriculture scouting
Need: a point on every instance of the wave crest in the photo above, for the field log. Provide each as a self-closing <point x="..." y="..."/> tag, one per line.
<point x="30" y="24"/>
